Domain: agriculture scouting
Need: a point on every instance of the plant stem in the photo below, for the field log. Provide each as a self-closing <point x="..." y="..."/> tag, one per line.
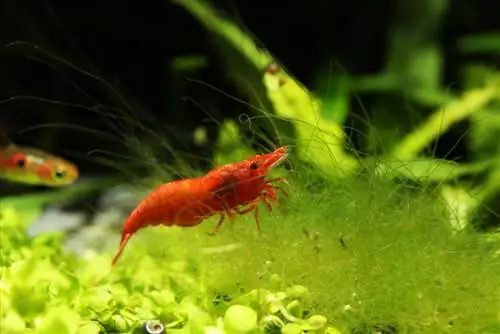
<point x="442" y="119"/>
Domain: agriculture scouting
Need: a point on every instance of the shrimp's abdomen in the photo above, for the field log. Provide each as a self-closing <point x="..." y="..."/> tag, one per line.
<point x="183" y="203"/>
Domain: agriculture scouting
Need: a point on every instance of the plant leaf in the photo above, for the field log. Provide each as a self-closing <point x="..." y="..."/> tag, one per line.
<point x="320" y="141"/>
<point x="480" y="43"/>
<point x="430" y="170"/>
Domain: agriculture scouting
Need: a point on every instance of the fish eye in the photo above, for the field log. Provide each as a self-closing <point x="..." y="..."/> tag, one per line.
<point x="60" y="174"/>
<point x="21" y="163"/>
<point x="254" y="165"/>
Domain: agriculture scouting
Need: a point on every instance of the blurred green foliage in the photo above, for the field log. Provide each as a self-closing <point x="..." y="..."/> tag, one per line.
<point x="313" y="121"/>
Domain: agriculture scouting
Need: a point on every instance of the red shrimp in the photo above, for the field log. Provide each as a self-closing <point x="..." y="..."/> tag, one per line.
<point x="232" y="189"/>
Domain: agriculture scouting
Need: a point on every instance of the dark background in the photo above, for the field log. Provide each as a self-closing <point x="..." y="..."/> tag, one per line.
<point x="130" y="44"/>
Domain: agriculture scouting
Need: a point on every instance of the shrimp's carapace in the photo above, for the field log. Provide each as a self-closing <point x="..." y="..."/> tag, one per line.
<point x="228" y="190"/>
<point x="33" y="166"/>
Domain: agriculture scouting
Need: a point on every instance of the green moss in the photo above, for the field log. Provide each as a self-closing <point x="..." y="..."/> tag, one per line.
<point x="370" y="252"/>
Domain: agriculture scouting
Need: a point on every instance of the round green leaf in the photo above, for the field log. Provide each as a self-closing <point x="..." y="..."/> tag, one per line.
<point x="240" y="319"/>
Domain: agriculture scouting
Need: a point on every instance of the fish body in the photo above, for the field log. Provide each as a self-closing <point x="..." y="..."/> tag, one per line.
<point x="36" y="167"/>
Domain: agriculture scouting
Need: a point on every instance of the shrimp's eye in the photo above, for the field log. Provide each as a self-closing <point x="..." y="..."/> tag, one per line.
<point x="21" y="163"/>
<point x="254" y="165"/>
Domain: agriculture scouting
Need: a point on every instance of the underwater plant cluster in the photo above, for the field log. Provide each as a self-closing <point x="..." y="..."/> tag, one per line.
<point x="45" y="290"/>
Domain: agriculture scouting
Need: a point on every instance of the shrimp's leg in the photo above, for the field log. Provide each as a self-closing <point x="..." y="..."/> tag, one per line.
<point x="269" y="194"/>
<point x="257" y="217"/>
<point x="280" y="179"/>
<point x="254" y="206"/>
<point x="232" y="216"/>
<point x="246" y="210"/>
<point x="278" y="188"/>
<point x="218" y="226"/>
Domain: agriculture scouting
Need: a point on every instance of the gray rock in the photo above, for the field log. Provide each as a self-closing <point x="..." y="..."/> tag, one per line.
<point x="54" y="220"/>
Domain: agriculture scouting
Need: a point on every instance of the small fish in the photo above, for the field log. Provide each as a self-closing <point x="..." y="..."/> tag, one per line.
<point x="36" y="167"/>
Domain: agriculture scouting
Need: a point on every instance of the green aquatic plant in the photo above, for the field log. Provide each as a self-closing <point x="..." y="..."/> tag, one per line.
<point x="372" y="255"/>
<point x="315" y="120"/>
<point x="46" y="290"/>
<point x="351" y="255"/>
